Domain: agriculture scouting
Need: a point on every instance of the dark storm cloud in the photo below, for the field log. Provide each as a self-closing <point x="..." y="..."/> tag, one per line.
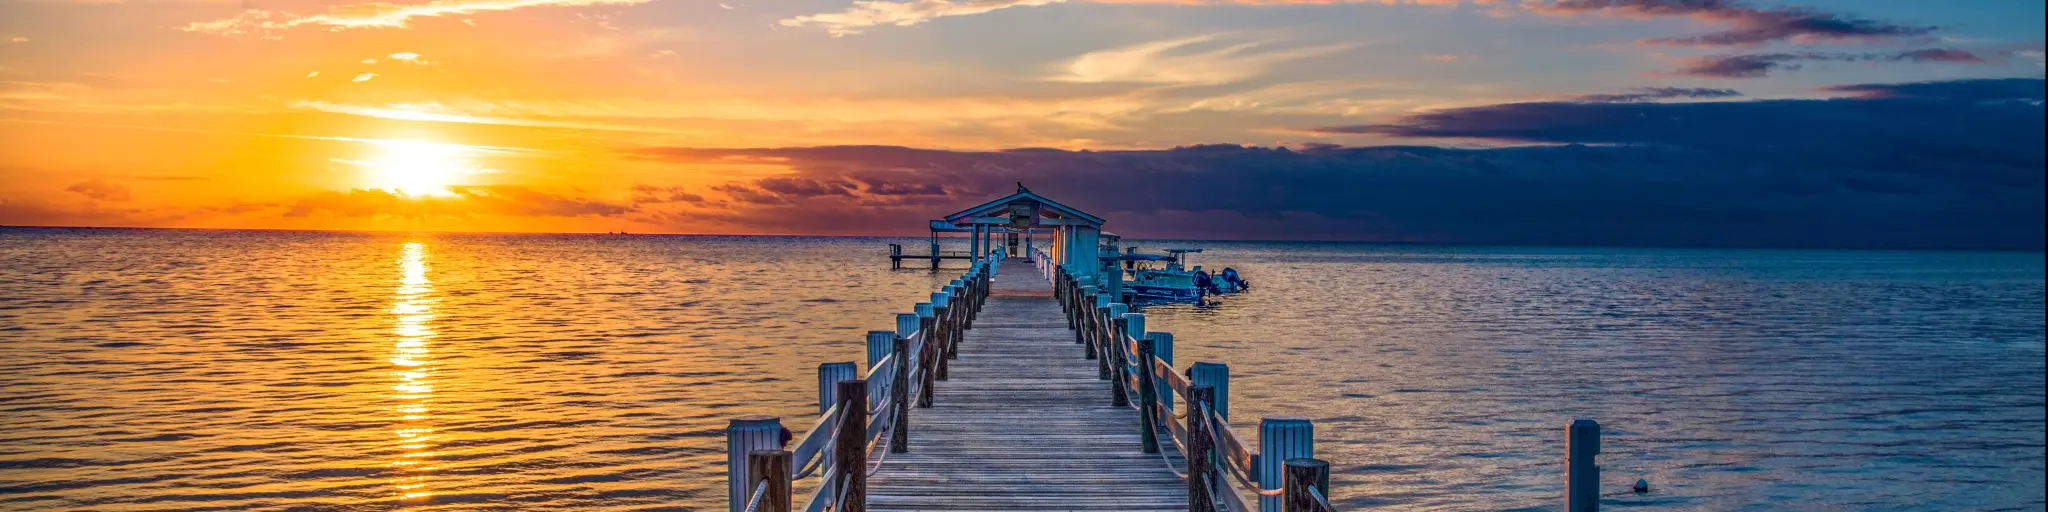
<point x="1659" y="93"/>
<point x="1758" y="65"/>
<point x="1750" y="25"/>
<point x="1883" y="171"/>
<point x="1990" y="90"/>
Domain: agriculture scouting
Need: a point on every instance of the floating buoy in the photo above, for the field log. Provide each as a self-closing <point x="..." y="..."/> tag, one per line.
<point x="1642" y="486"/>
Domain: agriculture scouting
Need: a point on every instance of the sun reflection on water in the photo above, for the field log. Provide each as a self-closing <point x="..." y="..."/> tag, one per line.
<point x="412" y="362"/>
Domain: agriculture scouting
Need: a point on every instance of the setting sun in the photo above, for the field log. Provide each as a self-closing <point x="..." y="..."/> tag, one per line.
<point x="417" y="167"/>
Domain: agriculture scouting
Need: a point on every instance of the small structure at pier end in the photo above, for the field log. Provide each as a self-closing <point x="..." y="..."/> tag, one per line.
<point x="1011" y="225"/>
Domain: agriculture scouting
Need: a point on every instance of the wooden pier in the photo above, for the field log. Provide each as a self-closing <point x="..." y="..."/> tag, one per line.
<point x="1022" y="385"/>
<point x="1024" y="423"/>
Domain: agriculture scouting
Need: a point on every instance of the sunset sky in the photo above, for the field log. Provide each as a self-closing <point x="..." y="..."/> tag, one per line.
<point x="1703" y="122"/>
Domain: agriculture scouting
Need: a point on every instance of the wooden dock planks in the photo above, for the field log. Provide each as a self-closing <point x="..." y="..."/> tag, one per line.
<point x="1023" y="423"/>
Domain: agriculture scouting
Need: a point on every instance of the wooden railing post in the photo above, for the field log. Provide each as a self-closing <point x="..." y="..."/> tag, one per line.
<point x="771" y="466"/>
<point x="1201" y="450"/>
<point x="1281" y="438"/>
<point x="899" y="397"/>
<point x="1148" y="395"/>
<point x="928" y="323"/>
<point x="963" y="303"/>
<point x="829" y="375"/>
<point x="935" y="347"/>
<point x="850" y="449"/>
<point x="1302" y="475"/>
<point x="1084" y="307"/>
<point x="742" y="437"/>
<point x="1581" y="471"/>
<point x="1117" y="378"/>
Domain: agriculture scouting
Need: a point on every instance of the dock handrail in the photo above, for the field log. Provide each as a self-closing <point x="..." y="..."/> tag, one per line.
<point x="902" y="367"/>
<point x="1221" y="469"/>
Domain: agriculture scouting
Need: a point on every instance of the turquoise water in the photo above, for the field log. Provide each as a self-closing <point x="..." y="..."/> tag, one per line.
<point x="237" y="370"/>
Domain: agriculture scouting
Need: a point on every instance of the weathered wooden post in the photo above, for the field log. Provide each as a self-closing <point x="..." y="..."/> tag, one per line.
<point x="770" y="466"/>
<point x="899" y="393"/>
<point x="1085" y="308"/>
<point x="850" y="449"/>
<point x="1201" y="450"/>
<point x="942" y="307"/>
<point x="1281" y="438"/>
<point x="928" y="322"/>
<point x="1101" y="340"/>
<point x="1148" y="398"/>
<point x="1302" y="475"/>
<point x="1215" y="375"/>
<point x="829" y="375"/>
<point x="963" y="315"/>
<point x="742" y="437"/>
<point x="1581" y="471"/>
<point x="1117" y="394"/>
<point x="1162" y="349"/>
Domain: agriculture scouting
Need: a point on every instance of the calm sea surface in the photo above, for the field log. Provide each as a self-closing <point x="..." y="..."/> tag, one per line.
<point x="234" y="370"/>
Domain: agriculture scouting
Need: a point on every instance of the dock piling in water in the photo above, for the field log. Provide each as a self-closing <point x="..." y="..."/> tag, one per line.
<point x="1281" y="438"/>
<point x="1582" y="470"/>
<point x="829" y="375"/>
<point x="1215" y="375"/>
<point x="742" y="437"/>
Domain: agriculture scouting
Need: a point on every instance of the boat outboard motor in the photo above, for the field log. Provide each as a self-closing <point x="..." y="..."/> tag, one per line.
<point x="1237" y="283"/>
<point x="1204" y="283"/>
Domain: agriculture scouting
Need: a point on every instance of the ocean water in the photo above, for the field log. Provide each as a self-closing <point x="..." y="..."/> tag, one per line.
<point x="243" y="370"/>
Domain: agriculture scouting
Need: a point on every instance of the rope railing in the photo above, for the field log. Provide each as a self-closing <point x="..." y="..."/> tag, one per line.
<point x="902" y="366"/>
<point x="1133" y="360"/>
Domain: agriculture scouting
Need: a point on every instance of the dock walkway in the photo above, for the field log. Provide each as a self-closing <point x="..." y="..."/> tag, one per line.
<point x="1024" y="423"/>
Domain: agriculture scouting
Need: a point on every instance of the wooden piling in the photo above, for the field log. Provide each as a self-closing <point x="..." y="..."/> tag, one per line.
<point x="1215" y="375"/>
<point x="1201" y="450"/>
<point x="1162" y="349"/>
<point x="771" y="466"/>
<point x="1303" y="475"/>
<point x="742" y="437"/>
<point x="850" y="448"/>
<point x="1281" y="438"/>
<point x="1581" y="469"/>
<point x="829" y="375"/>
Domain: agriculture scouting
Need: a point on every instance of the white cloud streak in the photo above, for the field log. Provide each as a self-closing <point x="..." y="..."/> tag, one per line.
<point x="870" y="13"/>
<point x="257" y="22"/>
<point x="1166" y="62"/>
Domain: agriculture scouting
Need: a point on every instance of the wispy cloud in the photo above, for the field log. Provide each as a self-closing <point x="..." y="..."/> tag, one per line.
<point x="871" y="13"/>
<point x="1659" y="93"/>
<point x="1751" y="25"/>
<point x="1168" y="61"/>
<point x="1758" y="65"/>
<point x="258" y="22"/>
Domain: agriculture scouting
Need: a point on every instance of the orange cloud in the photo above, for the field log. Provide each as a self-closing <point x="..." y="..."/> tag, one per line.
<point x="100" y="190"/>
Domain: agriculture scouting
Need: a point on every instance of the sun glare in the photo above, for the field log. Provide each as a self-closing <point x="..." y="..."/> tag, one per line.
<point x="418" y="168"/>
